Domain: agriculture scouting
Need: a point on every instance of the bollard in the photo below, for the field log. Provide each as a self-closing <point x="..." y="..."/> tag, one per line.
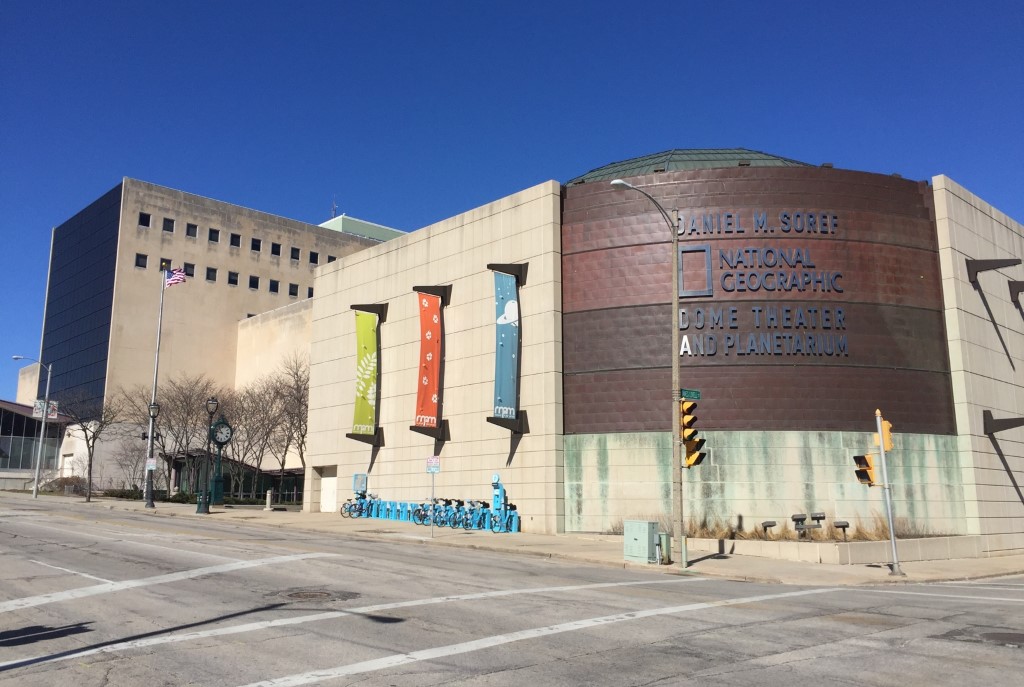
<point x="686" y="560"/>
<point x="270" y="493"/>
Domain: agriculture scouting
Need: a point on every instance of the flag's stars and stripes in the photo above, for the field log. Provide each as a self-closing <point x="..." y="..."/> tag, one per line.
<point x="174" y="276"/>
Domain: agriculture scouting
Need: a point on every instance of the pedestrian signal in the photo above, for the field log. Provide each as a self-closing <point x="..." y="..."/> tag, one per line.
<point x="886" y="435"/>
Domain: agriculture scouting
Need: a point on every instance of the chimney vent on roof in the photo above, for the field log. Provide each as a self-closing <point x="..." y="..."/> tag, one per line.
<point x="827" y="164"/>
<point x="744" y="163"/>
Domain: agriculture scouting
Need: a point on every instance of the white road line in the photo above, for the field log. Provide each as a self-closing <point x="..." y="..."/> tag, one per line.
<point x="941" y="596"/>
<point x="67" y="570"/>
<point x="395" y="660"/>
<point x="30" y="601"/>
<point x="132" y="542"/>
<point x="994" y="587"/>
<point x="329" y="615"/>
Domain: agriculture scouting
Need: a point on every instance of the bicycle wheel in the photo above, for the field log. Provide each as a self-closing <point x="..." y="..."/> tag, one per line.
<point x="418" y="516"/>
<point x="495" y="523"/>
<point x="467" y="521"/>
<point x="346" y="510"/>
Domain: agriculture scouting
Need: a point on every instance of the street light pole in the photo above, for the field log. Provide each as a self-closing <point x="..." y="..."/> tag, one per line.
<point x="154" y="410"/>
<point x="677" y="458"/>
<point x="42" y="426"/>
<point x="204" y="497"/>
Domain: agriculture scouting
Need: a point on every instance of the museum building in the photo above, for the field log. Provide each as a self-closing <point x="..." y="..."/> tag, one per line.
<point x="809" y="297"/>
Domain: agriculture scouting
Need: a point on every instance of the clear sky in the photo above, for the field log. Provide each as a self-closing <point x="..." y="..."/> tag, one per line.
<point x="410" y="112"/>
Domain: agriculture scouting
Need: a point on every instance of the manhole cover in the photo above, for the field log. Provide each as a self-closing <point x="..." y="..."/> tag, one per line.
<point x="309" y="595"/>
<point x="317" y="595"/>
<point x="1009" y="638"/>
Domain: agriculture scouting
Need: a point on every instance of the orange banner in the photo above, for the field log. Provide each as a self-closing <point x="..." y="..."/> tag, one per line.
<point x="428" y="388"/>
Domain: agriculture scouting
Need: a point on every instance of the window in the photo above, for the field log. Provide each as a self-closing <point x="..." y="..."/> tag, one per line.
<point x="211" y="274"/>
<point x="254" y="282"/>
<point x="314" y="258"/>
<point x="165" y="263"/>
<point x="275" y="248"/>
<point x="331" y="258"/>
<point x="257" y="245"/>
<point x="140" y="260"/>
<point x="233" y="278"/>
<point x="191" y="230"/>
<point x="190" y="269"/>
<point x="309" y="292"/>
<point x="214" y="235"/>
<point x="144" y="219"/>
<point x="275" y="286"/>
<point x="295" y="253"/>
<point x="236" y="241"/>
<point x="293" y="290"/>
<point x="168" y="225"/>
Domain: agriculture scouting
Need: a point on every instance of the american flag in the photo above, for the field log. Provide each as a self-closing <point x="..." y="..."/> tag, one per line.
<point x="174" y="276"/>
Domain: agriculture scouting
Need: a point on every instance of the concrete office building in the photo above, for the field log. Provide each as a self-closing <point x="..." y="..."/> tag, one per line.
<point x="104" y="287"/>
<point x="103" y="290"/>
<point x="810" y="296"/>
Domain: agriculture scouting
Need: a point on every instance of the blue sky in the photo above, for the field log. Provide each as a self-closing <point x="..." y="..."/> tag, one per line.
<point x="410" y="112"/>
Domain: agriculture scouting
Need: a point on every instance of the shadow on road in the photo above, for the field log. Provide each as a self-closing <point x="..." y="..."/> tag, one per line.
<point x="80" y="649"/>
<point x="40" y="633"/>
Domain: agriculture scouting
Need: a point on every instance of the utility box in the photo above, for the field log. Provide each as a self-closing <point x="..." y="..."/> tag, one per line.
<point x="640" y="541"/>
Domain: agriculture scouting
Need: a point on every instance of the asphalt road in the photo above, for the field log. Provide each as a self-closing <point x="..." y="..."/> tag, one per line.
<point x="126" y="599"/>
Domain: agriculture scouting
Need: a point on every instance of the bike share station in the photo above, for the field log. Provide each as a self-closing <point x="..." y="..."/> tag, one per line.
<point x="497" y="516"/>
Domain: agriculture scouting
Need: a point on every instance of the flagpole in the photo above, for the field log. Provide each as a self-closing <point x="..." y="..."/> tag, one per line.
<point x="153" y="407"/>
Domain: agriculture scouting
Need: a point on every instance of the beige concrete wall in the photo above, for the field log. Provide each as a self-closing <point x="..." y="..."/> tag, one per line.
<point x="265" y="342"/>
<point x="986" y="352"/>
<point x="28" y="384"/>
<point x="523" y="227"/>
<point x="201" y="318"/>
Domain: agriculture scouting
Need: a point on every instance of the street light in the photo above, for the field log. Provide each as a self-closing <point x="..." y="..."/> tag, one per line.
<point x="42" y="426"/>
<point x="677" y="467"/>
<point x="203" y="502"/>
<point x="154" y="410"/>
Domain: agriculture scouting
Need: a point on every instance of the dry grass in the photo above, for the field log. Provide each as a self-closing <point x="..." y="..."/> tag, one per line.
<point x="875" y="529"/>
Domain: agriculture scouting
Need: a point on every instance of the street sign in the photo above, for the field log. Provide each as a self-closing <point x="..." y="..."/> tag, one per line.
<point x="690" y="394"/>
<point x="434" y="464"/>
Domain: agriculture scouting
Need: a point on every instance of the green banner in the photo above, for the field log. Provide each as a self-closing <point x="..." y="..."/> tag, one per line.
<point x="365" y="419"/>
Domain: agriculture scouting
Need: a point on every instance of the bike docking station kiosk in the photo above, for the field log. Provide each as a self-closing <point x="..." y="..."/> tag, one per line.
<point x="497" y="516"/>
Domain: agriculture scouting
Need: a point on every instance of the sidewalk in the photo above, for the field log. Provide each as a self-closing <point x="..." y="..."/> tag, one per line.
<point x="582" y="548"/>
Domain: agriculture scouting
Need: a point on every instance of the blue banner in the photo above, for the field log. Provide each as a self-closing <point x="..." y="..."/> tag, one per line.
<point x="506" y="346"/>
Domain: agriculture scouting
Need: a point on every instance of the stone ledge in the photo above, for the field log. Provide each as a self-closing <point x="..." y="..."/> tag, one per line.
<point x="845" y="553"/>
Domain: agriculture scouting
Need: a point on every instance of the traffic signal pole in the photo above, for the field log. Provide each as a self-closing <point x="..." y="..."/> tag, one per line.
<point x="888" y="496"/>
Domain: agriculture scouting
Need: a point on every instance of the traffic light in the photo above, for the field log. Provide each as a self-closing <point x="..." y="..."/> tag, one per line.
<point x="688" y="433"/>
<point x="886" y="435"/>
<point x="866" y="469"/>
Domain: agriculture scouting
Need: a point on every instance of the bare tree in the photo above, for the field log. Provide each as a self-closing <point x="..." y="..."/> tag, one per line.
<point x="181" y="426"/>
<point x="131" y="460"/>
<point x="292" y="381"/>
<point x="92" y="418"/>
<point x="255" y="412"/>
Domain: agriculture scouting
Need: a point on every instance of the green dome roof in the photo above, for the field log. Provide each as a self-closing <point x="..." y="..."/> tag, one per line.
<point x="685" y="159"/>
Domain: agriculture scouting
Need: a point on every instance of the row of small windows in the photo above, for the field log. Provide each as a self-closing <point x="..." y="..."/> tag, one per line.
<point x="274" y="285"/>
<point x="234" y="240"/>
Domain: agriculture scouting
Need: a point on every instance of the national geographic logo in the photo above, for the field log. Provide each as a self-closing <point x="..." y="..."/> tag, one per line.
<point x="750" y="269"/>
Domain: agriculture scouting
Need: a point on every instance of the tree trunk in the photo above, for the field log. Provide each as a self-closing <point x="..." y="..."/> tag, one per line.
<point x="88" y="479"/>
